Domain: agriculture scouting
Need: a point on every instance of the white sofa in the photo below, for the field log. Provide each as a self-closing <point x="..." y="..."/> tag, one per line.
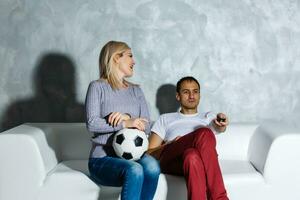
<point x="48" y="161"/>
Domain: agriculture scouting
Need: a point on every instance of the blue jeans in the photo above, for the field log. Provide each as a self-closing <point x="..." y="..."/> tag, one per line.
<point x="137" y="178"/>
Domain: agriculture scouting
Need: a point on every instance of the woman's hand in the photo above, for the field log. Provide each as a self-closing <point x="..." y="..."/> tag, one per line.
<point x="115" y="118"/>
<point x="139" y="123"/>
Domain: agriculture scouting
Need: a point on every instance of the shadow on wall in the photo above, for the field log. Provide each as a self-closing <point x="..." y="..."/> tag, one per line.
<point x="54" y="100"/>
<point x="165" y="99"/>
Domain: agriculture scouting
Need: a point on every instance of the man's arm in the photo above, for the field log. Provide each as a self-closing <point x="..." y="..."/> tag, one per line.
<point x="155" y="145"/>
<point x="220" y="123"/>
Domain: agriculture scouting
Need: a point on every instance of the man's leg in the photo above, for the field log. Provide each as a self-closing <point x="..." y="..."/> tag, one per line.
<point x="194" y="174"/>
<point x="203" y="140"/>
<point x="181" y="158"/>
<point x="205" y="143"/>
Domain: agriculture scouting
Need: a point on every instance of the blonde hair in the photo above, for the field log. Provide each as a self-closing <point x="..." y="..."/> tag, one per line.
<point x="107" y="65"/>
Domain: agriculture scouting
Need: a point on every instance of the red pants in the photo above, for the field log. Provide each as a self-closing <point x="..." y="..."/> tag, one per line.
<point x="194" y="156"/>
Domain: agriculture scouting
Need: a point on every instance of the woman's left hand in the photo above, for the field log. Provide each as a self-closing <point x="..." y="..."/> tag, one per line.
<point x="139" y="123"/>
<point x="115" y="118"/>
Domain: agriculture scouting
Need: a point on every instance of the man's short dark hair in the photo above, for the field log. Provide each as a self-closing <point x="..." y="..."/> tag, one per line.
<point x="186" y="78"/>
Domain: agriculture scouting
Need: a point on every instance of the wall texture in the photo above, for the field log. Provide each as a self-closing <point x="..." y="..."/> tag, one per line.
<point x="245" y="54"/>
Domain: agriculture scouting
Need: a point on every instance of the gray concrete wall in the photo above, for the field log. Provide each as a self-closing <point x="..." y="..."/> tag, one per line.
<point x="245" y="54"/>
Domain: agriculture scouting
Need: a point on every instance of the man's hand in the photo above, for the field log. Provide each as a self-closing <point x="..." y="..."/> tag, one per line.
<point x="221" y="122"/>
<point x="175" y="139"/>
<point x="156" y="145"/>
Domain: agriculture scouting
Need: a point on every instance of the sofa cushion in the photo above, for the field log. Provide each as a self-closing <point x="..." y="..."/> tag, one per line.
<point x="72" y="176"/>
<point x="69" y="180"/>
<point x="239" y="171"/>
<point x="66" y="181"/>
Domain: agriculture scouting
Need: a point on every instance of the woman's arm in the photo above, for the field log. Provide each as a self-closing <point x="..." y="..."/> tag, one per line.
<point x="96" y="123"/>
<point x="144" y="111"/>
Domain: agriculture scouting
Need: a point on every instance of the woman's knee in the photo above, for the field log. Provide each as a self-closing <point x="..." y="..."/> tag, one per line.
<point x="151" y="166"/>
<point x="135" y="170"/>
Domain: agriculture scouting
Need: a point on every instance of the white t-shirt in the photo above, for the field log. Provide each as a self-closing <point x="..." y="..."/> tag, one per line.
<point x="170" y="125"/>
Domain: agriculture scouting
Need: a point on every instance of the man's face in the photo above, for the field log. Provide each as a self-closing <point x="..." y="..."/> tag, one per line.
<point x="189" y="95"/>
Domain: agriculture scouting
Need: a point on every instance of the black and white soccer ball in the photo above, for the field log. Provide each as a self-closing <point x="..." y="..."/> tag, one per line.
<point x="130" y="144"/>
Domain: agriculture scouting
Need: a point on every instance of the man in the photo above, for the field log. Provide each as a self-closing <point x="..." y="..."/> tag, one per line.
<point x="184" y="142"/>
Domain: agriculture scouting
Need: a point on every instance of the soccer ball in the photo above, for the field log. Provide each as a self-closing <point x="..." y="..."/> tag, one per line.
<point x="130" y="144"/>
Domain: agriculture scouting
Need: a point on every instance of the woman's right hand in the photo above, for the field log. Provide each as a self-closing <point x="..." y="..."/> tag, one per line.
<point x="115" y="118"/>
<point x="139" y="123"/>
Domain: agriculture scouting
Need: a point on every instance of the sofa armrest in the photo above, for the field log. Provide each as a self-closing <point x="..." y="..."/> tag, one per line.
<point x="274" y="151"/>
<point x="25" y="160"/>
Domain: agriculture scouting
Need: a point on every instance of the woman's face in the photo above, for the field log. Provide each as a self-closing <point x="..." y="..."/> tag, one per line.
<point x="125" y="64"/>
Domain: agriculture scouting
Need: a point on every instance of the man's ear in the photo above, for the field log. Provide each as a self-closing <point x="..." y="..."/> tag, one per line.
<point x="177" y="96"/>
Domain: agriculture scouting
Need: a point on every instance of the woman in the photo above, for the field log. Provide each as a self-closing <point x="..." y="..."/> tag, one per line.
<point x="113" y="103"/>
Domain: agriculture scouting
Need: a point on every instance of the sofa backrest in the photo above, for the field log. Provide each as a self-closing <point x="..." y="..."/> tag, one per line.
<point x="69" y="141"/>
<point x="233" y="144"/>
